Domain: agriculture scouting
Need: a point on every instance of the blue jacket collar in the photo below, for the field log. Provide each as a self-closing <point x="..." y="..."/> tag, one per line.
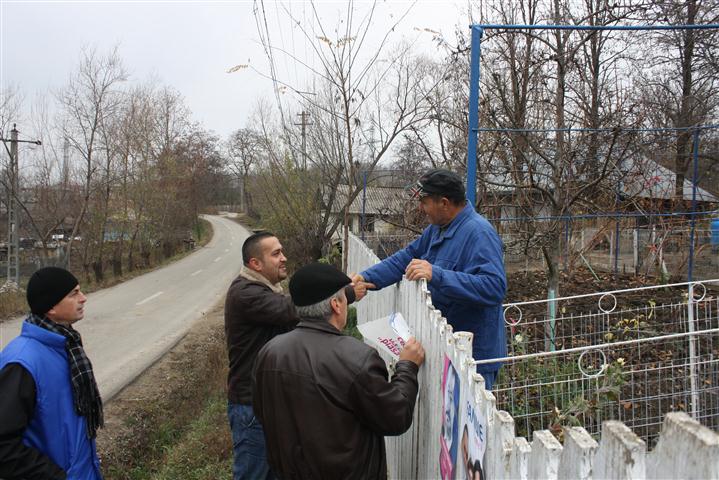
<point x="51" y="339"/>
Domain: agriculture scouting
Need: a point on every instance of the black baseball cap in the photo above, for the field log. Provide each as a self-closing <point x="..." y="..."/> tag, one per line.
<point x="439" y="182"/>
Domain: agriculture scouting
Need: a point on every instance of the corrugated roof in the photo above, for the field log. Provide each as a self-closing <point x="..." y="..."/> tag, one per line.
<point x="642" y="178"/>
<point x="378" y="200"/>
<point x="648" y="179"/>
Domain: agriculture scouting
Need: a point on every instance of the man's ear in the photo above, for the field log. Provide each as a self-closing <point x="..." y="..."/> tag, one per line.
<point x="335" y="304"/>
<point x="254" y="264"/>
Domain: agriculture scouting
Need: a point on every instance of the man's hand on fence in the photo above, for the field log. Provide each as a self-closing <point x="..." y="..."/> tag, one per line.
<point x="413" y="351"/>
<point x="418" y="269"/>
<point x="360" y="286"/>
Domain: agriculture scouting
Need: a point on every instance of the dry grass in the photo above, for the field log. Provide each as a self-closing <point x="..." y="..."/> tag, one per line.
<point x="172" y="422"/>
<point x="12" y="303"/>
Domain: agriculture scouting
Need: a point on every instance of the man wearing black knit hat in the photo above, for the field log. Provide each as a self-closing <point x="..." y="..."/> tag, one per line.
<point x="50" y="406"/>
<point x="324" y="398"/>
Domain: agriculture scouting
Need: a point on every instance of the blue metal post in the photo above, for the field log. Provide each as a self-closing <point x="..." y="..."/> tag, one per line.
<point x="694" y="204"/>
<point x="473" y="115"/>
<point x="364" y="202"/>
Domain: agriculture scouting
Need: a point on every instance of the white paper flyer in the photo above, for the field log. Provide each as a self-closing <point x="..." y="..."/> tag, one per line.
<point x="388" y="334"/>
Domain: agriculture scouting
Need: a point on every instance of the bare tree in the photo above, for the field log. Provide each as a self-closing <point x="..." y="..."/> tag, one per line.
<point x="681" y="75"/>
<point x="537" y="87"/>
<point x="244" y="148"/>
<point x="362" y="100"/>
<point x="88" y="102"/>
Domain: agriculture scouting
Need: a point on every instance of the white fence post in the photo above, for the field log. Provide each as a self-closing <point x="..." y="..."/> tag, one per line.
<point x="577" y="455"/>
<point x="544" y="459"/>
<point x="500" y="439"/>
<point x="519" y="459"/>
<point x="621" y="453"/>
<point x="686" y="449"/>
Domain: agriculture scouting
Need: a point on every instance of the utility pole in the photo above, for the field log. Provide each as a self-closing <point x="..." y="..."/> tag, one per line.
<point x="13" y="191"/>
<point x="65" y="162"/>
<point x="304" y="123"/>
<point x="371" y="142"/>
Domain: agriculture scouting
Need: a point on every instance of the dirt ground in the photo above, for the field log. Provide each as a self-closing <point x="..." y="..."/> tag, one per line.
<point x="532" y="285"/>
<point x="154" y="410"/>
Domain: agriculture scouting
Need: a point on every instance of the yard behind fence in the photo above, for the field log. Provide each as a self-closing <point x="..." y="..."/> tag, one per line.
<point x="662" y="249"/>
<point x="575" y="378"/>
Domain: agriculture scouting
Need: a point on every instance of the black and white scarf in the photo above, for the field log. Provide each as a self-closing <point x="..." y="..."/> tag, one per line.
<point x="85" y="394"/>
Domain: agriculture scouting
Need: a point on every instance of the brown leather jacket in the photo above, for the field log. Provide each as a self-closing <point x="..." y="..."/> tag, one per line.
<point x="325" y="403"/>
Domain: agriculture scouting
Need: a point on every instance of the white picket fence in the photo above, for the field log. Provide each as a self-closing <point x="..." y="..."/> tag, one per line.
<point x="685" y="449"/>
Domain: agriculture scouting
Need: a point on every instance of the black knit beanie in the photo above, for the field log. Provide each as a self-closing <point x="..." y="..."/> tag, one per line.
<point x="47" y="287"/>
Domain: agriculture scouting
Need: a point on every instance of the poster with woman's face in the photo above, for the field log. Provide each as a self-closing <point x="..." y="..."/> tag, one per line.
<point x="472" y="444"/>
<point x="450" y="421"/>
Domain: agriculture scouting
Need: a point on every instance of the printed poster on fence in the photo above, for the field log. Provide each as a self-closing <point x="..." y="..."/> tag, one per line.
<point x="387" y="334"/>
<point x="472" y="444"/>
<point x="450" y="421"/>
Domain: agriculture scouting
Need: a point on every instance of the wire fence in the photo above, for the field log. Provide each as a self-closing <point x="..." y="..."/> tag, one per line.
<point x="618" y="362"/>
<point x="569" y="369"/>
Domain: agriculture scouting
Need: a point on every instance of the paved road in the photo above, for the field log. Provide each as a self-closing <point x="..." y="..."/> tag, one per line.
<point x="129" y="326"/>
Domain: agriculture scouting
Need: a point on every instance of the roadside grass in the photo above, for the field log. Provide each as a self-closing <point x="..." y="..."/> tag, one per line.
<point x="13" y="302"/>
<point x="174" y="425"/>
<point x="198" y="455"/>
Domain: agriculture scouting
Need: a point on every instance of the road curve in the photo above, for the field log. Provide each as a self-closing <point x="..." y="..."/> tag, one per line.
<point x="129" y="326"/>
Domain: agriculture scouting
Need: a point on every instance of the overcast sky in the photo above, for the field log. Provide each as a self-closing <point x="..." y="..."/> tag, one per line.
<point x="191" y="45"/>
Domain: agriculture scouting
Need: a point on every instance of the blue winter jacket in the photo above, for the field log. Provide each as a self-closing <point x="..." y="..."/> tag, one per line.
<point x="56" y="429"/>
<point x="468" y="281"/>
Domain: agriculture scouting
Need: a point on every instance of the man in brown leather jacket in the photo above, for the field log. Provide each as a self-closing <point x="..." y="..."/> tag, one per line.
<point x="256" y="310"/>
<point x="324" y="398"/>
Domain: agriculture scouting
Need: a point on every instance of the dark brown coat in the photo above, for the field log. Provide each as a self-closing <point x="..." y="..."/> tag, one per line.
<point x="325" y="404"/>
<point x="254" y="314"/>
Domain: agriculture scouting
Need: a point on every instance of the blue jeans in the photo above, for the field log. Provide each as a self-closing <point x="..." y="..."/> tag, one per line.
<point x="489" y="378"/>
<point x="248" y="444"/>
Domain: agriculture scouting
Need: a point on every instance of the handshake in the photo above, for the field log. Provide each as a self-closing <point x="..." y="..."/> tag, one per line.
<point x="416" y="270"/>
<point x="360" y="286"/>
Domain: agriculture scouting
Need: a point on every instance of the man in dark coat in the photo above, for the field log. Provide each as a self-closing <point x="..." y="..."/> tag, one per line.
<point x="324" y="398"/>
<point x="256" y="310"/>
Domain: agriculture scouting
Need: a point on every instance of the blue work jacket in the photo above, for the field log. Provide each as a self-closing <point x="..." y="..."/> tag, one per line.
<point x="56" y="429"/>
<point x="468" y="280"/>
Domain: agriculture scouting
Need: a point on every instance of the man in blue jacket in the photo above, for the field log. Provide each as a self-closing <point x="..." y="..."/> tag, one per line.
<point x="50" y="407"/>
<point x="460" y="256"/>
